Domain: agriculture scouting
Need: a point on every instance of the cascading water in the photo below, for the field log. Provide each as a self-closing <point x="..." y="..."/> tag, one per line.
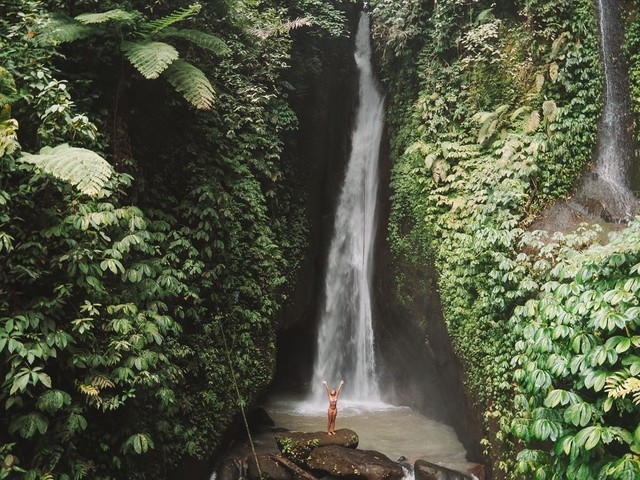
<point x="345" y="336"/>
<point x="610" y="185"/>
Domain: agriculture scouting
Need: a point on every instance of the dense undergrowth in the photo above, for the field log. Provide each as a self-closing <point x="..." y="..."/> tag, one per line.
<point x="150" y="236"/>
<point x="493" y="115"/>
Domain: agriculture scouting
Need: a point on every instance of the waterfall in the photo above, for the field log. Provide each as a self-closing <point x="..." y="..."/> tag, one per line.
<point x="345" y="335"/>
<point x="614" y="153"/>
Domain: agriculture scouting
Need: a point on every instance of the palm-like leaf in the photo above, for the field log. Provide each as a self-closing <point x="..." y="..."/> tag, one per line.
<point x="201" y="39"/>
<point x="192" y="83"/>
<point x="159" y="24"/>
<point x="116" y="15"/>
<point x="82" y="168"/>
<point x="64" y="30"/>
<point x="150" y="58"/>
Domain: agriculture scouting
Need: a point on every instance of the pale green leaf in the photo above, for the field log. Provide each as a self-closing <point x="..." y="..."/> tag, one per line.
<point x="150" y="58"/>
<point x="82" y="168"/>
<point x="192" y="83"/>
<point x="201" y="39"/>
<point x="116" y="15"/>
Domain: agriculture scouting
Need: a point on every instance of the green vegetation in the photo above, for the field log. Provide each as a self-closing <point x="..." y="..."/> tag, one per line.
<point x="149" y="230"/>
<point x="150" y="225"/>
<point x="494" y="109"/>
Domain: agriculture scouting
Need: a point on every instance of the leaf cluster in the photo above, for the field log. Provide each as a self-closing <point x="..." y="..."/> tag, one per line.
<point x="490" y="122"/>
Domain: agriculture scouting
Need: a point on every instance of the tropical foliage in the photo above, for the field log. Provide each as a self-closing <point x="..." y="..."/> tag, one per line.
<point x="145" y="245"/>
<point x="577" y="365"/>
<point x="493" y="115"/>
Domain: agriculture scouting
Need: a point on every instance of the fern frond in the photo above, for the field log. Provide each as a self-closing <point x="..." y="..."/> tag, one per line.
<point x="517" y="112"/>
<point x="192" y="83"/>
<point x="64" y="30"/>
<point x="621" y="384"/>
<point x="150" y="58"/>
<point x="101" y="381"/>
<point x="159" y="24"/>
<point x="533" y="122"/>
<point x="117" y="16"/>
<point x="285" y="27"/>
<point x="8" y="136"/>
<point x="549" y="110"/>
<point x="298" y="22"/>
<point x="82" y="168"/>
<point x="198" y="38"/>
<point x="8" y="90"/>
<point x="419" y="146"/>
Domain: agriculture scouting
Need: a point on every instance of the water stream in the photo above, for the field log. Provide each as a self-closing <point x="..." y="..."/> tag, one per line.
<point x="345" y="336"/>
<point x="610" y="180"/>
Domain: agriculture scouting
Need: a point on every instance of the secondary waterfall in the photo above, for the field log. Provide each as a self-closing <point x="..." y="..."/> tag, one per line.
<point x="614" y="152"/>
<point x="345" y="336"/>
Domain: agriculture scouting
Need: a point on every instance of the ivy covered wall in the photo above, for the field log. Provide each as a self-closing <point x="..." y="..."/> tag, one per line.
<point x="153" y="234"/>
<point x="493" y="116"/>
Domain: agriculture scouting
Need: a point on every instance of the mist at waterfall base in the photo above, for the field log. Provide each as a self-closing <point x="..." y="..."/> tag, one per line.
<point x="345" y="340"/>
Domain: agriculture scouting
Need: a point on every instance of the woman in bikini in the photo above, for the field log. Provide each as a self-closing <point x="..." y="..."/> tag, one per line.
<point x="333" y="406"/>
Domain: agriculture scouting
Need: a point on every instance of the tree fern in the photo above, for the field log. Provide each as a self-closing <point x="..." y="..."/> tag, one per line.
<point x="82" y="168"/>
<point x="64" y="30"/>
<point x="150" y="58"/>
<point x="192" y="83"/>
<point x="198" y="38"/>
<point x="282" y="27"/>
<point x="116" y="15"/>
<point x="159" y="24"/>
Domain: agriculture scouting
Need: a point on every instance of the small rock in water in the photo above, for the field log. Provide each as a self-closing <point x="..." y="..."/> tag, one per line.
<point x="424" y="470"/>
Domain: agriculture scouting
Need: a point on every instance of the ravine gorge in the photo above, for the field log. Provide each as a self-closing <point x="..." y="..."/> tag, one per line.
<point x="209" y="208"/>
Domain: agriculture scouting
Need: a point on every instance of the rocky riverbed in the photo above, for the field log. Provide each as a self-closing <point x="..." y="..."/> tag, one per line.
<point x="278" y="454"/>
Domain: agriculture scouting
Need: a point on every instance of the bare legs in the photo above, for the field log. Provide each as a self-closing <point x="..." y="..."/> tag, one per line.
<point x="331" y="423"/>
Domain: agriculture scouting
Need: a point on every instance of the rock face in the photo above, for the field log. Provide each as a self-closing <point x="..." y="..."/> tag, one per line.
<point x="298" y="445"/>
<point x="356" y="464"/>
<point x="269" y="469"/>
<point x="424" y="470"/>
<point x="315" y="455"/>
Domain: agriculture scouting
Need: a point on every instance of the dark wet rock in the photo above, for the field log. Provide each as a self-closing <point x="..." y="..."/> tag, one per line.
<point x="343" y="462"/>
<point x="405" y="463"/>
<point x="298" y="445"/>
<point x="269" y="468"/>
<point x="424" y="470"/>
<point x="229" y="469"/>
<point x="259" y="420"/>
<point x="477" y="471"/>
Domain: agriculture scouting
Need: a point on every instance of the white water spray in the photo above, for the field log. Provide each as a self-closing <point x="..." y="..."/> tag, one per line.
<point x="345" y="336"/>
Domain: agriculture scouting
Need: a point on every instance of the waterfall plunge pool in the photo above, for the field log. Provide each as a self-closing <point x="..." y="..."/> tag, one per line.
<point x="395" y="431"/>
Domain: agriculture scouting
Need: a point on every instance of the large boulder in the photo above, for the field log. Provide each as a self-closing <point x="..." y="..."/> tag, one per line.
<point x="424" y="470"/>
<point x="298" y="445"/>
<point x="269" y="469"/>
<point x="230" y="469"/>
<point x="342" y="462"/>
<point x="477" y="471"/>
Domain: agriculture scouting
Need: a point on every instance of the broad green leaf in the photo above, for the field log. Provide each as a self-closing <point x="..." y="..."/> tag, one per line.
<point x="201" y="39"/>
<point x="192" y="83"/>
<point x="82" y="168"/>
<point x="150" y="58"/>
<point x="115" y="15"/>
<point x="578" y="414"/>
